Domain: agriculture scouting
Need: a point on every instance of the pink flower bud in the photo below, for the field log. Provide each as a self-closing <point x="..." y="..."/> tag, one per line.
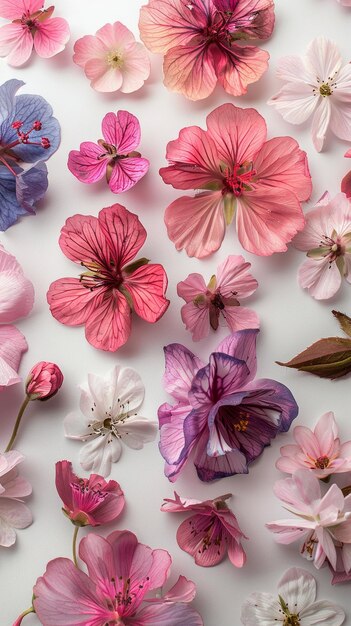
<point x="44" y="380"/>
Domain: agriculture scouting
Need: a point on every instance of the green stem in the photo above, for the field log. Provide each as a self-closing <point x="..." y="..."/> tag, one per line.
<point x="17" y="424"/>
<point x="27" y="612"/>
<point x="74" y="545"/>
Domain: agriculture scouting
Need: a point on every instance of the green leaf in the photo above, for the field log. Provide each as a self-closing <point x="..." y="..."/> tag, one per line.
<point x="327" y="358"/>
<point x="132" y="267"/>
<point x="344" y="321"/>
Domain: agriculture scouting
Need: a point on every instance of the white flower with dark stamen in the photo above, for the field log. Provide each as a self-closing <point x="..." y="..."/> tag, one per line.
<point x="109" y="416"/>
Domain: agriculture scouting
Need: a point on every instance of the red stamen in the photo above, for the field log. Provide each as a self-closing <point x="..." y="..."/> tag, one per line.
<point x="45" y="142"/>
<point x="37" y="125"/>
<point x="17" y="124"/>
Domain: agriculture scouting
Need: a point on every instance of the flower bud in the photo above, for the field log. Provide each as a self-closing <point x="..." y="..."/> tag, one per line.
<point x="44" y="380"/>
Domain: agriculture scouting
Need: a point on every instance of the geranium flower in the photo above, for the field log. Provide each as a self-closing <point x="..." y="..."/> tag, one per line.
<point x="201" y="41"/>
<point x="210" y="533"/>
<point x="28" y="134"/>
<point x="13" y="512"/>
<point x="114" y="156"/>
<point x="327" y="240"/>
<point x="235" y="170"/>
<point x="105" y="295"/>
<point x="112" y="59"/>
<point x="32" y="26"/>
<point x="322" y="524"/>
<point x="319" y="450"/>
<point x="294" y="604"/>
<point x="316" y="85"/>
<point x="221" y="414"/>
<point x="16" y="300"/>
<point x="206" y="303"/>
<point x="121" y="572"/>
<point x="109" y="416"/>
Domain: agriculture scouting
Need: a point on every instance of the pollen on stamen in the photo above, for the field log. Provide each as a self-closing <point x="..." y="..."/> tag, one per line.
<point x="45" y="142"/>
<point x="17" y="124"/>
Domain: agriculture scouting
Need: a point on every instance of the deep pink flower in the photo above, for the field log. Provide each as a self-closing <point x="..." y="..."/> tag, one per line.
<point x="112" y="59"/>
<point x="206" y="303"/>
<point x="121" y="572"/>
<point x="13" y="488"/>
<point x="43" y="381"/>
<point x="201" y="42"/>
<point x="114" y="156"/>
<point x="237" y="171"/>
<point x="210" y="533"/>
<point x="105" y="295"/>
<point x="32" y="26"/>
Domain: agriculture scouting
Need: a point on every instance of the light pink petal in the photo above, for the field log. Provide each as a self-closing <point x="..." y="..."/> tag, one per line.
<point x="321" y="279"/>
<point x="13" y="9"/>
<point x="240" y="318"/>
<point x="298" y="588"/>
<point x="109" y="323"/>
<point x="181" y="365"/>
<point x="51" y="37"/>
<point x="127" y="172"/>
<point x="12" y="346"/>
<point x="183" y="590"/>
<point x="308" y="441"/>
<point x="121" y="130"/>
<point x="346" y="185"/>
<point x="16" y="295"/>
<point x="115" y="35"/>
<point x="342" y="532"/>
<point x="322" y="612"/>
<point x="177" y="614"/>
<point x="295" y="101"/>
<point x="103" y="77"/>
<point x="190" y="70"/>
<point x="236" y="552"/>
<point x="124" y="232"/>
<point x="327" y="545"/>
<point x="165" y="24"/>
<point x="136" y="67"/>
<point x="302" y="490"/>
<point x="340" y="118"/>
<point x="13" y="514"/>
<point x="323" y="58"/>
<point x="137" y="431"/>
<point x="233" y="278"/>
<point x="196" y="319"/>
<point x="293" y="69"/>
<point x="326" y="431"/>
<point x="320" y="123"/>
<point x="82" y="240"/>
<point x="288" y="531"/>
<point x="15" y="43"/>
<point x="191" y="536"/>
<point x="191" y="287"/>
<point x="147" y="286"/>
<point x="88" y="47"/>
<point x="86" y="163"/>
<point x="318" y="223"/>
<point x="97" y="554"/>
<point x="98" y="455"/>
<point x="239" y="66"/>
<point x="70" y="302"/>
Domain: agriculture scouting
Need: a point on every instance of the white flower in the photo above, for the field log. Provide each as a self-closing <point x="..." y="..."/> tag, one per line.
<point x="294" y="604"/>
<point x="108" y="415"/>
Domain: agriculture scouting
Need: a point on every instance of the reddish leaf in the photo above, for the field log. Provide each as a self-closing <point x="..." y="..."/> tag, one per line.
<point x="327" y="358"/>
<point x="344" y="321"/>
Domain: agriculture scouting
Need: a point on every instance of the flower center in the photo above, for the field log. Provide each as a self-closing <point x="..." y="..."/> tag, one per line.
<point x="85" y="497"/>
<point x="114" y="59"/>
<point x="242" y="424"/>
<point x="7" y="153"/>
<point x="292" y="620"/>
<point x="217" y="302"/>
<point x="322" y="462"/>
<point x="238" y="180"/>
<point x="109" y="425"/>
<point x="325" y="90"/>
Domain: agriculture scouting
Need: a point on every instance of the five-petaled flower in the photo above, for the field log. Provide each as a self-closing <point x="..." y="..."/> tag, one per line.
<point x="13" y="488"/>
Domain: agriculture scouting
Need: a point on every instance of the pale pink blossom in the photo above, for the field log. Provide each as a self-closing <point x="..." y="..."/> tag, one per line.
<point x="317" y="85"/>
<point x="319" y="450"/>
<point x="206" y="304"/>
<point x="112" y="60"/>
<point x="327" y="240"/>
<point x="31" y="27"/>
<point x="13" y="488"/>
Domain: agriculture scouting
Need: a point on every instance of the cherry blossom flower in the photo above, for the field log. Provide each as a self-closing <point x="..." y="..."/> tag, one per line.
<point x="16" y="300"/>
<point x="221" y="415"/>
<point x="121" y="572"/>
<point x="294" y="604"/>
<point x="105" y="295"/>
<point x="206" y="303"/>
<point x="319" y="450"/>
<point x="210" y="533"/>
<point x="112" y="60"/>
<point x="114" y="156"/>
<point x="327" y="240"/>
<point x="13" y="488"/>
<point x="235" y="171"/>
<point x="322" y="524"/>
<point x="31" y="27"/>
<point x="43" y="381"/>
<point x="109" y="416"/>
<point x="319" y="86"/>
<point x="28" y="134"/>
<point x="201" y="42"/>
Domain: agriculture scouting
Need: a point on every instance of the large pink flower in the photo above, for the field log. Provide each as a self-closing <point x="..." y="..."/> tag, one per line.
<point x="236" y="171"/>
<point x="13" y="488"/>
<point x="32" y="26"/>
<point x="201" y="42"/>
<point x="105" y="295"/>
<point x="121" y="572"/>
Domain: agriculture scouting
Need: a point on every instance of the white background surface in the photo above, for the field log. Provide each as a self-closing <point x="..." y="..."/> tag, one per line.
<point x="290" y="319"/>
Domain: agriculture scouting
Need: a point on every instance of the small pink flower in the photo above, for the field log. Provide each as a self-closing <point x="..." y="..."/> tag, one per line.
<point x="319" y="451"/>
<point x="32" y="26"/>
<point x="205" y="304"/>
<point x="114" y="156"/>
<point x="327" y="240"/>
<point x="13" y="488"/>
<point x="112" y="59"/>
<point x="209" y="534"/>
<point x="43" y="381"/>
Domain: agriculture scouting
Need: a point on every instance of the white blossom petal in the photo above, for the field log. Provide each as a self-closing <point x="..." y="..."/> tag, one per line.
<point x="322" y="612"/>
<point x="97" y="455"/>
<point x="261" y="609"/>
<point x="76" y="426"/>
<point x="298" y="588"/>
<point x="137" y="431"/>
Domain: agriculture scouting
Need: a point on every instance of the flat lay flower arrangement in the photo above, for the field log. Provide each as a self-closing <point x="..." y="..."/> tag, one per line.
<point x="175" y="263"/>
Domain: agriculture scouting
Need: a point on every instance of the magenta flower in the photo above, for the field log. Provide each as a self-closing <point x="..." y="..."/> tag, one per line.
<point x="105" y="295"/>
<point x="13" y="488"/>
<point x="121" y="571"/>
<point x="32" y="26"/>
<point x="114" y="156"/>
<point x="237" y="171"/>
<point x="201" y="41"/>
<point x="112" y="59"/>
<point x="210" y="533"/>
<point x="221" y="415"/>
<point x="205" y="304"/>
<point x="43" y="381"/>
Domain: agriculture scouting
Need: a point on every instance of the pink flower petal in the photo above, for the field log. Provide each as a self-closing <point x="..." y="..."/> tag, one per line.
<point x="124" y="232"/>
<point x="15" y="43"/>
<point x="12" y="346"/>
<point x="191" y="287"/>
<point x="190" y="70"/>
<point x="16" y="291"/>
<point x="108" y="325"/>
<point x="121" y="130"/>
<point x="165" y="24"/>
<point x="340" y="118"/>
<point x="13" y="514"/>
<point x="346" y="185"/>
<point x="323" y="58"/>
<point x="165" y="614"/>
<point x="326" y="431"/>
<point x="13" y="9"/>
<point x="233" y="276"/>
<point x="240" y="318"/>
<point x="295" y="101"/>
<point x="196" y="319"/>
<point x="127" y="172"/>
<point x="115" y="35"/>
<point x="82" y="240"/>
<point x="88" y="47"/>
<point x="181" y="365"/>
<point x="172" y="440"/>
<point x="318" y="222"/>
<point x="320" y="123"/>
<point x="136" y="67"/>
<point x="70" y="302"/>
<point x="308" y="442"/>
<point x="184" y="590"/>
<point x="147" y="286"/>
<point x="236" y="552"/>
<point x="86" y="163"/>
<point x="321" y="279"/>
<point x="103" y="77"/>
<point x="51" y="37"/>
<point x="239" y="66"/>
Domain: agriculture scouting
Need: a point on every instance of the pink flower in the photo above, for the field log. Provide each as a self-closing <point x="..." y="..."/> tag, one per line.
<point x="205" y="304"/>
<point x="210" y="533"/>
<point x="32" y="26"/>
<point x="237" y="171"/>
<point x="346" y="181"/>
<point x="317" y="86"/>
<point x="200" y="41"/>
<point x="13" y="512"/>
<point x="327" y="240"/>
<point x="43" y="381"/>
<point x="121" y="571"/>
<point x="112" y="59"/>
<point x="323" y="524"/>
<point x="105" y="295"/>
<point x="88" y="501"/>
<point x="319" y="451"/>
<point x="114" y="156"/>
<point x="16" y="300"/>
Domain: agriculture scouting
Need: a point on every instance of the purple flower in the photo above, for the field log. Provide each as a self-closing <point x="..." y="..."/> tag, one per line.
<point x="221" y="414"/>
<point x="28" y="134"/>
